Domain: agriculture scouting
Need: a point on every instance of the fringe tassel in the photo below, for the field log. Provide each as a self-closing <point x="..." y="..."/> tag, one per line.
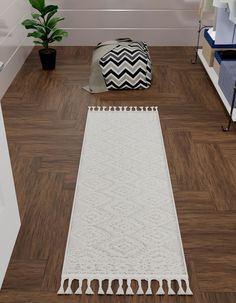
<point x="89" y="290"/>
<point x="140" y="289"/>
<point x="69" y="290"/>
<point x="188" y="290"/>
<point x="129" y="290"/>
<point x="170" y="290"/>
<point x="149" y="290"/>
<point x="160" y="290"/>
<point x="180" y="292"/>
<point x="109" y="289"/>
<point x="79" y="289"/>
<point x="122" y="108"/>
<point x="120" y="290"/>
<point x="100" y="289"/>
<point x="61" y="289"/>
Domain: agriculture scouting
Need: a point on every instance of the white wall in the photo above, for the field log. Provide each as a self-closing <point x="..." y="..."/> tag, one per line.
<point x="9" y="213"/>
<point x="14" y="48"/>
<point x="159" y="22"/>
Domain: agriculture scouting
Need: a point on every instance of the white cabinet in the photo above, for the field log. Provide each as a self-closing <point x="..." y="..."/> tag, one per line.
<point x="9" y="213"/>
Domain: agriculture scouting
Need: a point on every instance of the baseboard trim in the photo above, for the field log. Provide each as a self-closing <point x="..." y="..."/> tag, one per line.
<point x="153" y="36"/>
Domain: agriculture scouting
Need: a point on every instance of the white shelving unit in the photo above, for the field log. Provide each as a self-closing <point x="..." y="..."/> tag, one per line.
<point x="214" y="78"/>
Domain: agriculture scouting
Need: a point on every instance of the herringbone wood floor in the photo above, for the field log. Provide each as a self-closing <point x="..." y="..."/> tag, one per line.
<point x="45" y="114"/>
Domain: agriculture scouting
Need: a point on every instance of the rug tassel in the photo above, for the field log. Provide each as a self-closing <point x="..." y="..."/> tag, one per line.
<point x="140" y="289"/>
<point x="149" y="290"/>
<point x="89" y="290"/>
<point x="188" y="290"/>
<point x="170" y="290"/>
<point x="79" y="289"/>
<point x="61" y="289"/>
<point x="122" y="108"/>
<point x="100" y="289"/>
<point x="69" y="290"/>
<point x="129" y="290"/>
<point x="160" y="290"/>
<point x="109" y="289"/>
<point x="180" y="292"/>
<point x="120" y="290"/>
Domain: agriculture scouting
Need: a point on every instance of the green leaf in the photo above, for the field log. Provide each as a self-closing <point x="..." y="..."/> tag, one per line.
<point x="45" y="44"/>
<point x="36" y="16"/>
<point x="38" y="42"/>
<point x="36" y="35"/>
<point x="52" y="23"/>
<point x="49" y="16"/>
<point x="41" y="30"/>
<point x="38" y="4"/>
<point x="58" y="35"/>
<point x="29" y="24"/>
<point x="58" y="32"/>
<point x="58" y="38"/>
<point x="48" y="9"/>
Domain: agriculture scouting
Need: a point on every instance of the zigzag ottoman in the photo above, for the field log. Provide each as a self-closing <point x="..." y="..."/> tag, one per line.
<point x="120" y="64"/>
<point x="127" y="67"/>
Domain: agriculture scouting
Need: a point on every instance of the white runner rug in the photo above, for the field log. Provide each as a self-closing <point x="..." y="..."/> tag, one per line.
<point x="124" y="224"/>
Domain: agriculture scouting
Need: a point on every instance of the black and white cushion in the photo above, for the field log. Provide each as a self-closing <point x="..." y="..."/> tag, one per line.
<point x="127" y="67"/>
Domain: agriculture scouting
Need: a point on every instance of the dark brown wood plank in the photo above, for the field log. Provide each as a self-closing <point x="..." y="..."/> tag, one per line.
<point x="24" y="275"/>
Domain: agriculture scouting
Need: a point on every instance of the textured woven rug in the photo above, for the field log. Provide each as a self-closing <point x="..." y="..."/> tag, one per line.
<point x="124" y="224"/>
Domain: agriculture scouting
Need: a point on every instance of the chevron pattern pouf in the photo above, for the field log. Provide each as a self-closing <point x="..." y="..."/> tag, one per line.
<point x="124" y="224"/>
<point x="127" y="67"/>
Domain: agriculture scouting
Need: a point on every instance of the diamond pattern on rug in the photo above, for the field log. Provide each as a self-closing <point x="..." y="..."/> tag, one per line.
<point x="124" y="223"/>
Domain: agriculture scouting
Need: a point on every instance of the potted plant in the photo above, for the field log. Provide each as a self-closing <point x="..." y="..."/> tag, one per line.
<point x="44" y="26"/>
